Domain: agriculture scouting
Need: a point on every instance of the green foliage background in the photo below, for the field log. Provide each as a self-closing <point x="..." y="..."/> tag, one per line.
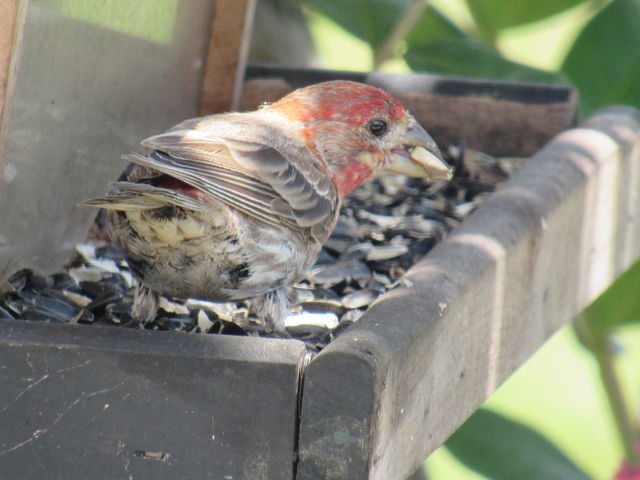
<point x="554" y="419"/>
<point x="596" y="43"/>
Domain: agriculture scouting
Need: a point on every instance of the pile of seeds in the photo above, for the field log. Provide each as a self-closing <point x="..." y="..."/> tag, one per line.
<point x="385" y="227"/>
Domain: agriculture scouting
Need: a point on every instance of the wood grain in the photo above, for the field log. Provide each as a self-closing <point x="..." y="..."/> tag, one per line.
<point x="8" y="21"/>
<point x="226" y="56"/>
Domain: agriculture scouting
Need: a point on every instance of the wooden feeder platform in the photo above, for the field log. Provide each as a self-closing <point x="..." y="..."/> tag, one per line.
<point x="85" y="402"/>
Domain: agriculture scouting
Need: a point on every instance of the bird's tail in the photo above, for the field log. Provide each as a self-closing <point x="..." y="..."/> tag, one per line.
<point x="142" y="196"/>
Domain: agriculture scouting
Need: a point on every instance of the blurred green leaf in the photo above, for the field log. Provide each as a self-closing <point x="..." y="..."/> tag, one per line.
<point x="491" y="16"/>
<point x="432" y="26"/>
<point x="372" y="21"/>
<point x="604" y="62"/>
<point x="502" y="449"/>
<point x="619" y="304"/>
<point x="369" y="20"/>
<point x="466" y="57"/>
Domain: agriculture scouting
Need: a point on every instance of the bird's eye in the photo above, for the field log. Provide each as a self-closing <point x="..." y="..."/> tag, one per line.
<point x="377" y="127"/>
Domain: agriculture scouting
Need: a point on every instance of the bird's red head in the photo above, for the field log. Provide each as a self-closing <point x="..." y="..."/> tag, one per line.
<point x="339" y="101"/>
<point x="357" y="130"/>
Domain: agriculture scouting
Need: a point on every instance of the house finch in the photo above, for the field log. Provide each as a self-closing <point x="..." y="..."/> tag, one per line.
<point x="237" y="206"/>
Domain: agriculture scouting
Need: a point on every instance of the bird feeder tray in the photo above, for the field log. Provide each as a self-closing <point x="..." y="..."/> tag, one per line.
<point x="96" y="402"/>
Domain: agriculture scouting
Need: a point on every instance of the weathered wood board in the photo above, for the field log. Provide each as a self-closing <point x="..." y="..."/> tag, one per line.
<point x="394" y="386"/>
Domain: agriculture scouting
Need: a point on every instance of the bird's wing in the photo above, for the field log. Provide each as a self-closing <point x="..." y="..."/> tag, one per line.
<point x="256" y="179"/>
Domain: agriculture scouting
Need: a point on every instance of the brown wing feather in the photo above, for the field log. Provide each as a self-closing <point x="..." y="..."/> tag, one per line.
<point x="253" y="202"/>
<point x="254" y="178"/>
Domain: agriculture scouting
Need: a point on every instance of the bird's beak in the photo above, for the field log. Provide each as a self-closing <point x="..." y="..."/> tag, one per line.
<point x="418" y="156"/>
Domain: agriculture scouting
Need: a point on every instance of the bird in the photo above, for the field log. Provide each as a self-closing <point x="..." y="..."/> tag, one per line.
<point x="236" y="206"/>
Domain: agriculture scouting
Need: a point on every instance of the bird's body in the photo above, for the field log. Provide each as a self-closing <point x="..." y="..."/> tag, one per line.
<point x="238" y="205"/>
<point x="215" y="252"/>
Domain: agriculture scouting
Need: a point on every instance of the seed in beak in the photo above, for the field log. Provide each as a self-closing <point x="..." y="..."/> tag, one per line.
<point x="436" y="167"/>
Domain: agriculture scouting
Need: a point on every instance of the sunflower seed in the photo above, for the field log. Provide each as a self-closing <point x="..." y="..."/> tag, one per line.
<point x="320" y="306"/>
<point x="119" y="313"/>
<point x="37" y="315"/>
<point x="359" y="298"/>
<point x="333" y="274"/>
<point x="84" y="274"/>
<point x="77" y="297"/>
<point x="386" y="252"/>
<point x="325" y="319"/>
<point x="5" y="314"/>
